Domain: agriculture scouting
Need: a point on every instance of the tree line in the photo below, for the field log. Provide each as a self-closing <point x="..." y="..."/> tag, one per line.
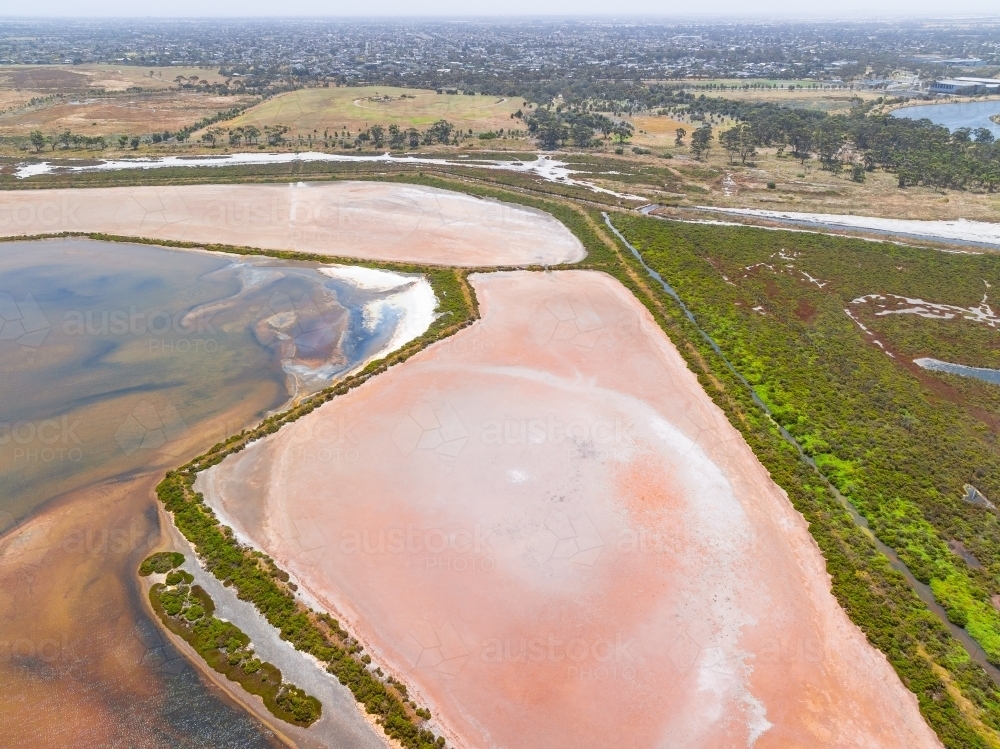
<point x="917" y="151"/>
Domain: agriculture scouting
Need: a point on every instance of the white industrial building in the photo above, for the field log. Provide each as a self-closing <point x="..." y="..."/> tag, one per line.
<point x="965" y="85"/>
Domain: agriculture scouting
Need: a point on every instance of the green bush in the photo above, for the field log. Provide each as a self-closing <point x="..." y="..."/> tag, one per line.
<point x="160" y="563"/>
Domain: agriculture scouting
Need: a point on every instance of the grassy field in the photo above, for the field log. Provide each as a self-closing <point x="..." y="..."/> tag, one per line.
<point x="357" y="108"/>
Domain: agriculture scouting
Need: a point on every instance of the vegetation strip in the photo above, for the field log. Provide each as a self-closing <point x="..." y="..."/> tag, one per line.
<point x="876" y="597"/>
<point x="922" y="590"/>
<point x="187" y="611"/>
<point x="255" y="577"/>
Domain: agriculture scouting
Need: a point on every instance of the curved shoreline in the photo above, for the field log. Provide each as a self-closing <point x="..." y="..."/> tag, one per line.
<point x="295" y="667"/>
<point x="227" y="688"/>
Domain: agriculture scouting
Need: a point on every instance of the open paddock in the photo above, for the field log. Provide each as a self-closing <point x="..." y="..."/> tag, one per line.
<point x="135" y="114"/>
<point x="356" y="108"/>
<point x="54" y="79"/>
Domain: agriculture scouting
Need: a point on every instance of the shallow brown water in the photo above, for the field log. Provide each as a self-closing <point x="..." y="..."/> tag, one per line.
<point x="118" y="362"/>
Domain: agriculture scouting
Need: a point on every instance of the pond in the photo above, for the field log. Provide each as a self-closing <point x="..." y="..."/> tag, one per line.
<point x="955" y="115"/>
<point x="977" y="373"/>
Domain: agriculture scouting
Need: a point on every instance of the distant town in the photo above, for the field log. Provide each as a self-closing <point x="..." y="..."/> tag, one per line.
<point x="493" y="56"/>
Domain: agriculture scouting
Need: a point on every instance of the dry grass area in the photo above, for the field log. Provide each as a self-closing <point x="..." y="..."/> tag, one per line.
<point x="52" y="79"/>
<point x="94" y="99"/>
<point x="657" y="131"/>
<point x="357" y="108"/>
<point x="136" y="114"/>
<point x="685" y="182"/>
<point x="803" y="97"/>
<point x="806" y="187"/>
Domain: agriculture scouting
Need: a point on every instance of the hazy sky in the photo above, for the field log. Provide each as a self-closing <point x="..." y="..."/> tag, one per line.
<point x="843" y="9"/>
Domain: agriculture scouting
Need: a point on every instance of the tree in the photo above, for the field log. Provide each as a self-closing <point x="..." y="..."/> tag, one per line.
<point x="275" y="134"/>
<point x="440" y="131"/>
<point x="235" y="136"/>
<point x="983" y="136"/>
<point x="701" y="141"/>
<point x="622" y="131"/>
<point x="582" y="134"/>
<point x="679" y="134"/>
<point x="208" y="137"/>
<point x="801" y="141"/>
<point x="37" y="140"/>
<point x="413" y="137"/>
<point x="397" y="138"/>
<point x="551" y="135"/>
<point x="829" y="138"/>
<point x="122" y="141"/>
<point x="378" y="135"/>
<point x="251" y="134"/>
<point x="730" y="141"/>
<point x="65" y="137"/>
<point x="739" y="141"/>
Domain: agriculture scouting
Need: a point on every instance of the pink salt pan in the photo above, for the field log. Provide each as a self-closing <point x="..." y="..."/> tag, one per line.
<point x="546" y="528"/>
<point x="369" y="220"/>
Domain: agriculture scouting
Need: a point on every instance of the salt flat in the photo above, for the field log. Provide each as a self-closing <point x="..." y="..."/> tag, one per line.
<point x="957" y="230"/>
<point x="546" y="528"/>
<point x="366" y="220"/>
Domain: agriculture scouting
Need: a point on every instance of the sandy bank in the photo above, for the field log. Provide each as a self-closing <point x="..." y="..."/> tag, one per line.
<point x="546" y="527"/>
<point x="343" y="723"/>
<point x="368" y="220"/>
<point x="549" y="169"/>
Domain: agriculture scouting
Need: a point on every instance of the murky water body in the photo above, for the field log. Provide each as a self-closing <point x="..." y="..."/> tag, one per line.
<point x="955" y="115"/>
<point x="977" y="373"/>
<point x="117" y="361"/>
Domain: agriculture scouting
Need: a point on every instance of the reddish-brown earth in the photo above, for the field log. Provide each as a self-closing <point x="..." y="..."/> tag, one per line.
<point x="371" y="220"/>
<point x="550" y="532"/>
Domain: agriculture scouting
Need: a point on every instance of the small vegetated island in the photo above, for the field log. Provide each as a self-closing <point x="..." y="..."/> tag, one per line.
<point x="187" y="611"/>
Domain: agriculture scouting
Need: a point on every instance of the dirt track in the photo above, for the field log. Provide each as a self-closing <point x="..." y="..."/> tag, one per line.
<point x="547" y="529"/>
<point x="371" y="220"/>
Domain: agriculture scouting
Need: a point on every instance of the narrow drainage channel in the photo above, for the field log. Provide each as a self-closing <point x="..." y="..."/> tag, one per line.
<point x="922" y="590"/>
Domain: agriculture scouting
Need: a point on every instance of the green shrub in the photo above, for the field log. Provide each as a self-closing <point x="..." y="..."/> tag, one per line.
<point x="160" y="563"/>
